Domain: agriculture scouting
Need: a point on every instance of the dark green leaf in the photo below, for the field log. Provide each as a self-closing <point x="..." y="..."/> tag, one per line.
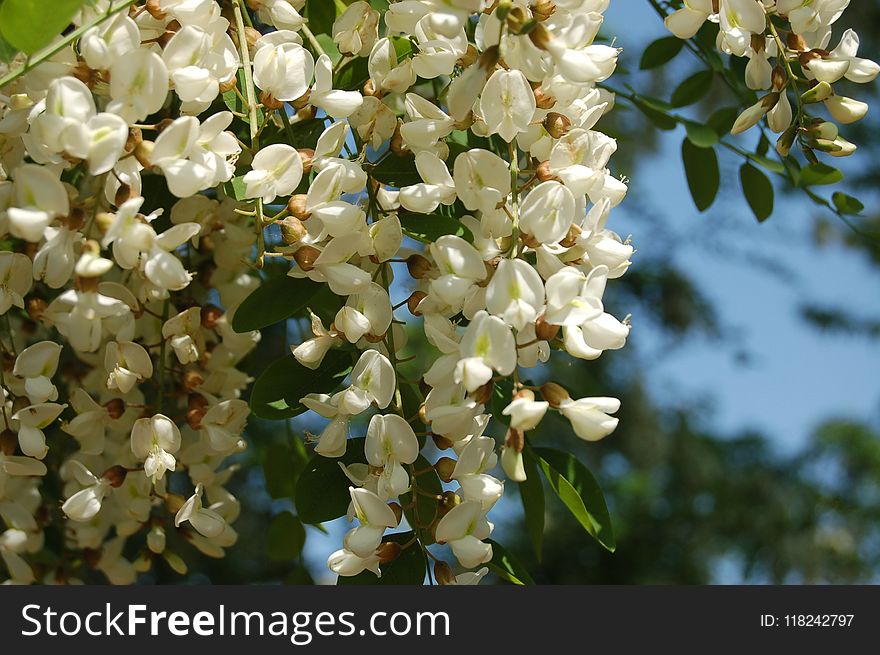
<point x="285" y="538"/>
<point x="235" y="188"/>
<point x="703" y="174"/>
<point x="299" y="576"/>
<point x="819" y="175"/>
<point x="275" y="300"/>
<point x="30" y="25"/>
<point x="701" y="135"/>
<point x="532" y="494"/>
<point x="722" y="120"/>
<point x="430" y="227"/>
<point x="276" y="393"/>
<point x="758" y="190"/>
<point x="322" y="489"/>
<point x="507" y="567"/>
<point x="353" y="75"/>
<point x="397" y="171"/>
<point x="769" y="164"/>
<point x="692" y="89"/>
<point x="408" y="569"/>
<point x="846" y="204"/>
<point x="321" y="14"/>
<point x="7" y="51"/>
<point x="660" y="52"/>
<point x="657" y="116"/>
<point x="579" y="491"/>
<point x="282" y="464"/>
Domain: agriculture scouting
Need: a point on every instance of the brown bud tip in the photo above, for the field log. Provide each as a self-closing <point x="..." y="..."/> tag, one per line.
<point x="143" y="152"/>
<point x="306" y="256"/>
<point x="228" y="86"/>
<point x="444" y="467"/>
<point x="418" y="266"/>
<point x="489" y="59"/>
<point x="397" y="509"/>
<point x="423" y="417"/>
<point x="194" y="418"/>
<point x="443" y="573"/>
<point x="543" y="9"/>
<point x="540" y="36"/>
<point x="8" y="442"/>
<point x="571" y="238"/>
<point x="413" y="302"/>
<point x="483" y="395"/>
<point x="123" y="194"/>
<point x="306" y="155"/>
<point x="302" y="102"/>
<point x="515" y="439"/>
<point x="91" y="556"/>
<point x="529" y="240"/>
<point x="211" y="315"/>
<point x="154" y="8"/>
<point x="388" y="551"/>
<point x="115" y="408"/>
<point x="396" y="144"/>
<point x="779" y="78"/>
<point x="544" y="330"/>
<point x="544" y="173"/>
<point x="557" y="125"/>
<point x="370" y="89"/>
<point x="269" y="101"/>
<point x="543" y="99"/>
<point x="796" y="42"/>
<point x="36" y="307"/>
<point x="196" y="401"/>
<point x="115" y="475"/>
<point x="469" y="57"/>
<point x="192" y="380"/>
<point x="135" y="136"/>
<point x="441" y="442"/>
<point x="297" y="206"/>
<point x="554" y="394"/>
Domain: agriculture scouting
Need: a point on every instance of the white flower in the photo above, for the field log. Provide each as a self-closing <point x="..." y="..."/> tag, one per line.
<point x="37" y="364"/>
<point x="438" y="187"/>
<point x="356" y="31"/>
<point x="85" y="504"/>
<point x="38" y="198"/>
<point x="275" y="171"/>
<point x="471" y="472"/>
<point x="524" y="411"/>
<point x="15" y="279"/>
<point x="127" y="364"/>
<point x="487" y="345"/>
<point x="138" y="85"/>
<point x="335" y="103"/>
<point x="515" y="293"/>
<point x="155" y="440"/>
<point x="464" y="529"/>
<point x="283" y="70"/>
<point x="590" y="418"/>
<point x="205" y="521"/>
<point x="183" y="332"/>
<point x="548" y="212"/>
<point x="390" y="443"/>
<point x="32" y="420"/>
<point x="688" y="20"/>
<point x="372" y="381"/>
<point x="507" y="104"/>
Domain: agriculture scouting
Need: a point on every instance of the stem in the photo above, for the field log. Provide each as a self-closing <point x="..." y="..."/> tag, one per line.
<point x="792" y="78"/>
<point x="54" y="49"/>
<point x="162" y="351"/>
<point x="311" y="37"/>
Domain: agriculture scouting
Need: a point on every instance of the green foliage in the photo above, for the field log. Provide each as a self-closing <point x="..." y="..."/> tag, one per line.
<point x="275" y="300"/>
<point x="430" y="227"/>
<point x="532" y="495"/>
<point x="285" y="538"/>
<point x="579" y="491"/>
<point x="703" y="174"/>
<point x="507" y="567"/>
<point x="423" y="513"/>
<point x="820" y="175"/>
<point x="660" y="52"/>
<point x="321" y="14"/>
<point x="692" y="89"/>
<point x="29" y="27"/>
<point x="846" y="204"/>
<point x="322" y="489"/>
<point x="758" y="190"/>
<point x="282" y="464"/>
<point x="277" y="391"/>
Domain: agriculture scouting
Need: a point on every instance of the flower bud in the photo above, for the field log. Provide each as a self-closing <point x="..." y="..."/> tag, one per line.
<point x="388" y="551"/>
<point x="115" y="408"/>
<point x="306" y="155"/>
<point x="418" y="266"/>
<point x="543" y="9"/>
<point x="443" y="573"/>
<point x="192" y="380"/>
<point x="483" y="395"/>
<point x="8" y="442"/>
<point x="413" y="302"/>
<point x="302" y="102"/>
<point x="842" y="148"/>
<point x="753" y="115"/>
<point x="557" y="125"/>
<point x="142" y="153"/>
<point x="36" y="307"/>
<point x="397" y="509"/>
<point x="512" y="464"/>
<point x="176" y="562"/>
<point x="779" y="78"/>
<point x="306" y="256"/>
<point x="544" y="174"/>
<point x="156" y="539"/>
<point x="269" y="101"/>
<point x="115" y="475"/>
<point x="846" y="110"/>
<point x="544" y="100"/>
<point x="544" y="330"/>
<point x="820" y="92"/>
<point x="444" y="467"/>
<point x="554" y="394"/>
<point x="194" y="418"/>
<point x="786" y="141"/>
<point x="123" y="193"/>
<point x="297" y="206"/>
<point x="154" y="8"/>
<point x="292" y="230"/>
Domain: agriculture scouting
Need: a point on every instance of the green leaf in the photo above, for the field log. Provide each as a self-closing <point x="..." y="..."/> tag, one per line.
<point x="397" y="171"/>
<point x="285" y="538"/>
<point x="692" y="89"/>
<point x="430" y="227"/>
<point x="353" y="75"/>
<point x="703" y="174"/>
<point x="506" y="566"/>
<point x="701" y="135"/>
<point x="820" y="175"/>
<point x="276" y="393"/>
<point x="282" y="464"/>
<point x="234" y="103"/>
<point x="235" y="188"/>
<point x="660" y="52"/>
<point x="532" y="495"/>
<point x="423" y="513"/>
<point x="30" y="25"/>
<point x="275" y="300"/>
<point x="579" y="491"/>
<point x="408" y="569"/>
<point x="659" y="117"/>
<point x="758" y="190"/>
<point x="321" y="14"/>
<point x="846" y="204"/>
<point x="769" y="164"/>
<point x="722" y="120"/>
<point x="7" y="51"/>
<point x="322" y="488"/>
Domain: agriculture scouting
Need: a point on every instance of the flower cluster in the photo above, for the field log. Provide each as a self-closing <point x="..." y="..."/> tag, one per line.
<point x="121" y="368"/>
<point x="121" y="386"/>
<point x="796" y="35"/>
